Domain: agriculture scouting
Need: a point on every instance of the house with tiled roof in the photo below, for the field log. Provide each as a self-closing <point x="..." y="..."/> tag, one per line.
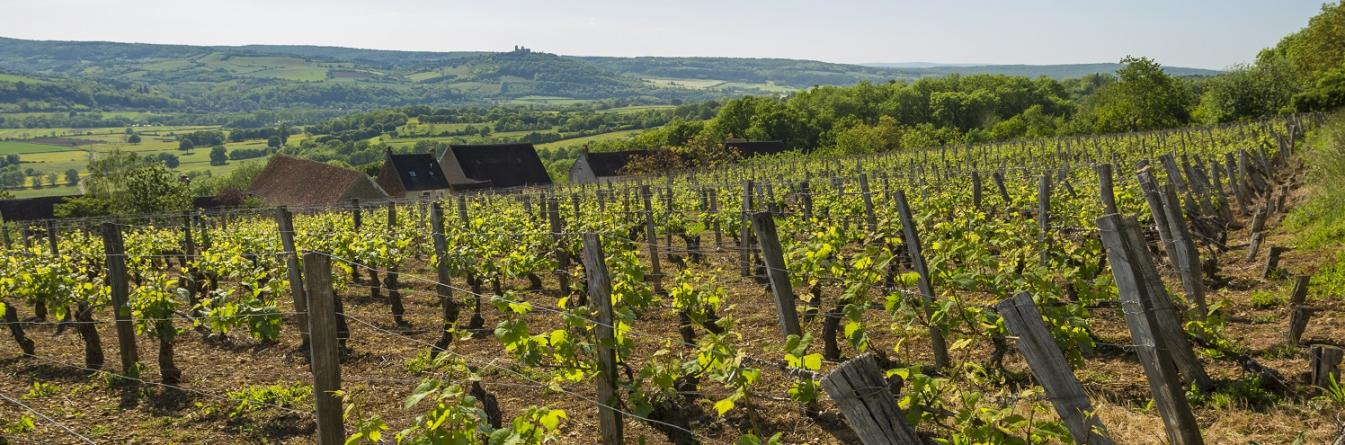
<point x="292" y="181"/>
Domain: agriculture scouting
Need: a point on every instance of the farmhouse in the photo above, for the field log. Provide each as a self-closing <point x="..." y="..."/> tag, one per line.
<point x="600" y="166"/>
<point x="418" y="172"/>
<point x="748" y="149"/>
<point x="493" y="166"/>
<point x="292" y="181"/>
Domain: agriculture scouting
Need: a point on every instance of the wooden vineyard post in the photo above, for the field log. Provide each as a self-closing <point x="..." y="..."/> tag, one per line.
<point x="357" y="221"/>
<point x="714" y="210"/>
<point x="1152" y="196"/>
<point x="745" y="240"/>
<point x="441" y="288"/>
<point x="764" y="226"/>
<point x="926" y="288"/>
<point x="1052" y="371"/>
<point x="1299" y="311"/>
<point x="324" y="353"/>
<point x="1044" y="218"/>
<point x="807" y="194"/>
<point x="562" y="259"/>
<point x="1272" y="266"/>
<point x="1163" y="316"/>
<point x="860" y="391"/>
<point x="869" y="218"/>
<point x="976" y="189"/>
<point x="1167" y="390"/>
<point x="600" y="299"/>
<point x="1258" y="234"/>
<point x="998" y="176"/>
<point x="1325" y="363"/>
<point x="394" y="290"/>
<point x="1188" y="258"/>
<point x="121" y="307"/>
<point x="1107" y="193"/>
<point x="296" y="276"/>
<point x="656" y="273"/>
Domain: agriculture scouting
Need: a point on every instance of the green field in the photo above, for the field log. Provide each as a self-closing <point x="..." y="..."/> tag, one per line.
<point x="154" y="140"/>
<point x="587" y="139"/>
<point x="694" y="84"/>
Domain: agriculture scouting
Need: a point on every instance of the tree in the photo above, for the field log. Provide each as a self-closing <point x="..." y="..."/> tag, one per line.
<point x="1246" y="92"/>
<point x="861" y="138"/>
<point x="274" y="142"/>
<point x="51" y="178"/>
<point x="123" y="182"/>
<point x="218" y="155"/>
<point x="169" y="160"/>
<point x="71" y="177"/>
<point x="1144" y="98"/>
<point x="133" y="138"/>
<point x="186" y="145"/>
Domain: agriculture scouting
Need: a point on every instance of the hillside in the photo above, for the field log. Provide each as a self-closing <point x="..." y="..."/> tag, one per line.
<point x="102" y="76"/>
<point x="1065" y="71"/>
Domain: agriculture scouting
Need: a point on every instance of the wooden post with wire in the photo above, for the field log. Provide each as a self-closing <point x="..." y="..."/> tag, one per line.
<point x="600" y="300"/>
<point x="115" y="251"/>
<point x="441" y="288"/>
<point x="861" y="392"/>
<point x="763" y="223"/>
<point x="324" y="353"/>
<point x="296" y="276"/>
<point x="923" y="282"/>
<point x="1048" y="364"/>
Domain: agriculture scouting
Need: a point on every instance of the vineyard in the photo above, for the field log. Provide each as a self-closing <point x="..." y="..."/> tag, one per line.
<point x="1120" y="288"/>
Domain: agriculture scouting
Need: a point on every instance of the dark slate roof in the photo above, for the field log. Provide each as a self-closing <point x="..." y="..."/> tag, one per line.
<point x="28" y="209"/>
<point x="419" y="171"/>
<point x="756" y="148"/>
<point x="609" y="163"/>
<point x="502" y="165"/>
<point x="300" y="182"/>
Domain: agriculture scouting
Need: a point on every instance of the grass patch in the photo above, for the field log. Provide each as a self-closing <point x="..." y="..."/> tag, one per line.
<point x="1320" y="222"/>
<point x="24" y="147"/>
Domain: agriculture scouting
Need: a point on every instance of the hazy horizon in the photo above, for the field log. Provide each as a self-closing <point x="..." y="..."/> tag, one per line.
<point x="1205" y="34"/>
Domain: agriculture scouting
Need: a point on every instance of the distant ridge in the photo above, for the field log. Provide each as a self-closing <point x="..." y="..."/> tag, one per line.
<point x="1060" y="71"/>
<point x="112" y="76"/>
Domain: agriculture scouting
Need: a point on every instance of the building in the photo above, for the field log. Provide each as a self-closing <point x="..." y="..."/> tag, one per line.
<point x="600" y="166"/>
<point x="749" y="149"/>
<point x="298" y="182"/>
<point x="418" y="172"/>
<point x="30" y="209"/>
<point x="493" y="166"/>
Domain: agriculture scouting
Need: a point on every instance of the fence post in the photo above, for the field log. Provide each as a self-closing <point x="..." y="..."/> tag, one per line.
<point x="324" y="354"/>
<point x="600" y="298"/>
<point x="442" y="289"/>
<point x="1044" y="217"/>
<point x="562" y="258"/>
<point x="1273" y="261"/>
<point x="860" y="391"/>
<point x="1188" y="258"/>
<point x="764" y="226"/>
<point x="1325" y="362"/>
<point x="656" y="273"/>
<point x="1299" y="311"/>
<point x="869" y="217"/>
<point x="745" y="241"/>
<point x="1167" y="390"/>
<point x="296" y="276"/>
<point x="926" y="287"/>
<point x="1052" y="371"/>
<point x="121" y="308"/>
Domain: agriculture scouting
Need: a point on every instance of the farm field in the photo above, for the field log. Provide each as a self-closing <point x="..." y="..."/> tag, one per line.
<point x="57" y="150"/>
<point x="693" y="281"/>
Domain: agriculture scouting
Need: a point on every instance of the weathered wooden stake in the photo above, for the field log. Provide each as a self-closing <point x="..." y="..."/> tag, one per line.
<point x="121" y="308"/>
<point x="600" y="299"/>
<point x="324" y="353"/>
<point x="860" y="390"/>
<point x="913" y="248"/>
<point x="1052" y="371"/>
<point x="764" y="226"/>
<point x="296" y="276"/>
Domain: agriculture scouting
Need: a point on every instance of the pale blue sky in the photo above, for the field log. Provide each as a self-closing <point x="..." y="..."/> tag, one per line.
<point x="1206" y="34"/>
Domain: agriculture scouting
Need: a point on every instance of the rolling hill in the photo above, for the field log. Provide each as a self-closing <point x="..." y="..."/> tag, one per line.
<point x="47" y="76"/>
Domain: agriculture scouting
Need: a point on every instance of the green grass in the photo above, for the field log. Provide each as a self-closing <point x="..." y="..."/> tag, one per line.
<point x="693" y="84"/>
<point x="547" y="100"/>
<point x="17" y="78"/>
<point x="21" y="148"/>
<point x="588" y="139"/>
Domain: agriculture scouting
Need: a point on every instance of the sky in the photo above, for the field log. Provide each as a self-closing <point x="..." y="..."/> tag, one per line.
<point x="1192" y="33"/>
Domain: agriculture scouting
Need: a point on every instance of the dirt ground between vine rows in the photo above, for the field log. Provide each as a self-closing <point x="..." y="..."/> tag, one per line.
<point x="377" y="376"/>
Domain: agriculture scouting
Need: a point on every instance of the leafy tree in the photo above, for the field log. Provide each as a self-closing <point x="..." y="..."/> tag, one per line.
<point x="274" y="142"/>
<point x="862" y="138"/>
<point x="51" y="178"/>
<point x="186" y="145"/>
<point x="218" y="155"/>
<point x="124" y="182"/>
<point x="71" y="177"/>
<point x="1144" y="98"/>
<point x="133" y="138"/>
<point x="1246" y="92"/>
